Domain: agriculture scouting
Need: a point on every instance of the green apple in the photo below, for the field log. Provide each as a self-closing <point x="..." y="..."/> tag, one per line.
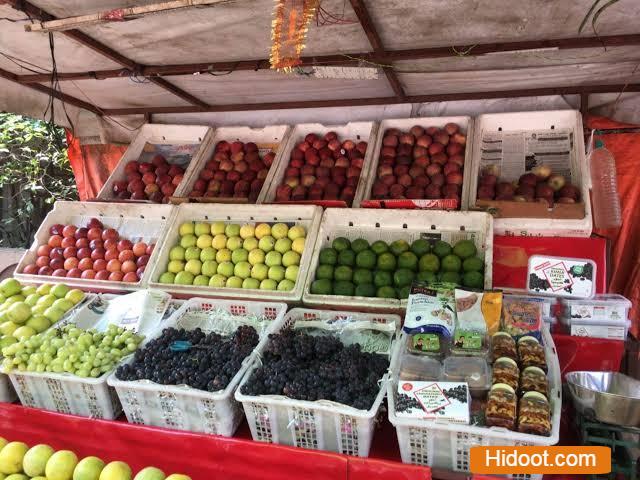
<point x="19" y="313"/>
<point x="63" y="304"/>
<point x="201" y="280"/>
<point x="286" y="285"/>
<point x="201" y="229"/>
<point x="239" y="255"/>
<point x="28" y="290"/>
<point x="188" y="241"/>
<point x="183" y="278"/>
<point x="32" y="299"/>
<point x="234" y="243"/>
<point x="279" y="230"/>
<point x="268" y="284"/>
<point x="149" y="473"/>
<point x="113" y="471"/>
<point x="291" y="258"/>
<point x="24" y="332"/>
<point x="217" y="228"/>
<point x="250" y="243"/>
<point x="39" y="323"/>
<point x="297" y="231"/>
<point x="266" y="243"/>
<point x="262" y="230"/>
<point x="219" y="241"/>
<point x="39" y="309"/>
<point x="10" y="286"/>
<point x="208" y="254"/>
<point x="223" y="255"/>
<point x="192" y="253"/>
<point x="234" y="282"/>
<point x="193" y="266"/>
<point x="283" y="245"/>
<point x="273" y="258"/>
<point x="175" y="266"/>
<point x="204" y="241"/>
<point x="291" y="273"/>
<point x="247" y="230"/>
<point x="54" y="314"/>
<point x="209" y="268"/>
<point x="167" y="277"/>
<point x="47" y="300"/>
<point x="59" y="290"/>
<point x="89" y="468"/>
<point x="251" y="284"/>
<point x="298" y="245"/>
<point x="75" y="296"/>
<point x="35" y="460"/>
<point x="232" y="230"/>
<point x="14" y="299"/>
<point x="186" y="228"/>
<point x="259" y="271"/>
<point x="44" y="289"/>
<point x="176" y="253"/>
<point x="276" y="273"/>
<point x="226" y="269"/>
<point x="218" y="281"/>
<point x="7" y="328"/>
<point x="256" y="256"/>
<point x="242" y="270"/>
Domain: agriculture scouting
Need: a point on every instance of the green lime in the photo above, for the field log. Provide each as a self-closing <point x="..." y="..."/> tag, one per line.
<point x="328" y="256"/>
<point x="420" y="247"/>
<point x="340" y="244"/>
<point x="398" y="247"/>
<point x="359" y="245"/>
<point x="408" y="260"/>
<point x="362" y="276"/>
<point x="429" y="263"/>
<point x="343" y="273"/>
<point x="387" y="262"/>
<point x="343" y="288"/>
<point x="347" y="257"/>
<point x="386" y="292"/>
<point x="382" y="279"/>
<point x="365" y="290"/>
<point x="324" y="271"/>
<point x="451" y="263"/>
<point x="427" y="277"/>
<point x="465" y="249"/>
<point x="321" y="287"/>
<point x="366" y="259"/>
<point x="473" y="280"/>
<point x="472" y="264"/>
<point x="450" y="277"/>
<point x="403" y="292"/>
<point x="403" y="277"/>
<point x="441" y="248"/>
<point x="379" y="247"/>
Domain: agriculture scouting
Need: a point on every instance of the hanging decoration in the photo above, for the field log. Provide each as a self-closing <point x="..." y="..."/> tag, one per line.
<point x="289" y="31"/>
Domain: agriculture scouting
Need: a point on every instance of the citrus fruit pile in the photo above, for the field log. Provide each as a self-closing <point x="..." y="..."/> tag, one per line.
<point x="27" y="310"/>
<point x="41" y="462"/>
<point x="358" y="268"/>
<point x="251" y="256"/>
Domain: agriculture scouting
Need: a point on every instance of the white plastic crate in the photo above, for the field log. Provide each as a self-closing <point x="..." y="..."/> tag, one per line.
<point x="66" y="393"/>
<point x="446" y="445"/>
<point x="305" y="215"/>
<point x="355" y="131"/>
<point x="536" y="121"/>
<point x="157" y="134"/>
<point x="135" y="222"/>
<point x="405" y="124"/>
<point x="319" y="425"/>
<point x="390" y="225"/>
<point x="276" y="135"/>
<point x="186" y="408"/>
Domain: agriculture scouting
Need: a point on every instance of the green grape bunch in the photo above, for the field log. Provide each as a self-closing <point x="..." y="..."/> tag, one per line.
<point x="73" y="350"/>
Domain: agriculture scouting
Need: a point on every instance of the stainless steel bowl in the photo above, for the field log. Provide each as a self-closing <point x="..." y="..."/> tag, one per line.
<point x="608" y="397"/>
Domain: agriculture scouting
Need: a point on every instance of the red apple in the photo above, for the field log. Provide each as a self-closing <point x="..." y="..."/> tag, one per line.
<point x="56" y="263"/>
<point x="102" y="275"/>
<point x="149" y="177"/>
<point x="421" y="181"/>
<point x="85" y="264"/>
<point x="396" y="191"/>
<point x="283" y="193"/>
<point x="88" y="274"/>
<point x="433" y="192"/>
<point x="486" y="192"/>
<point x="45" y="271"/>
<point x="388" y="180"/>
<point x="131" y="167"/>
<point x="70" y="263"/>
<point x="436" y="148"/>
<point x="68" y="242"/>
<point x="379" y="190"/>
<point x="268" y="158"/>
<point x="42" y="261"/>
<point x="70" y="252"/>
<point x="390" y="141"/>
<point x="223" y="146"/>
<point x="99" y="264"/>
<point x="454" y="178"/>
<point x="528" y="179"/>
<point x="69" y="231"/>
<point x="400" y="170"/>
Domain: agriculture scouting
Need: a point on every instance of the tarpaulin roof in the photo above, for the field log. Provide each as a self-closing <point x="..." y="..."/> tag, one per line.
<point x="240" y="30"/>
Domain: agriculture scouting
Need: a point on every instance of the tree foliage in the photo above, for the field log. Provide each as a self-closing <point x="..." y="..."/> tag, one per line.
<point x="34" y="174"/>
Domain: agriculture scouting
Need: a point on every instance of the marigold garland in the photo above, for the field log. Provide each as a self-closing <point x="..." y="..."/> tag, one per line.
<point x="289" y="31"/>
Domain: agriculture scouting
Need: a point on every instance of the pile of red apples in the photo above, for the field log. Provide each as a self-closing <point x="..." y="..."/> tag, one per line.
<point x="423" y="163"/>
<point x="323" y="168"/>
<point x="156" y="180"/>
<point x="91" y="252"/>
<point x="538" y="185"/>
<point x="236" y="170"/>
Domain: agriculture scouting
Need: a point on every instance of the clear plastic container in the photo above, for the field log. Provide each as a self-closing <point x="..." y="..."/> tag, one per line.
<point x="546" y="303"/>
<point x="534" y="414"/>
<point x="505" y="370"/>
<point x="601" y="307"/>
<point x="420" y="368"/>
<point x="502" y="404"/>
<point x="604" y="188"/>
<point x="473" y="370"/>
<point x="609" y="329"/>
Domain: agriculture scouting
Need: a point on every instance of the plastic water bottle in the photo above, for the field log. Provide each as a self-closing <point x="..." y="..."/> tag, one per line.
<point x="604" y="188"/>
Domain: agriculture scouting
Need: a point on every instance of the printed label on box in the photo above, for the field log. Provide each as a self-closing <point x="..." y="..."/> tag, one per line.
<point x="444" y="401"/>
<point x="565" y="277"/>
<point x="598" y="331"/>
